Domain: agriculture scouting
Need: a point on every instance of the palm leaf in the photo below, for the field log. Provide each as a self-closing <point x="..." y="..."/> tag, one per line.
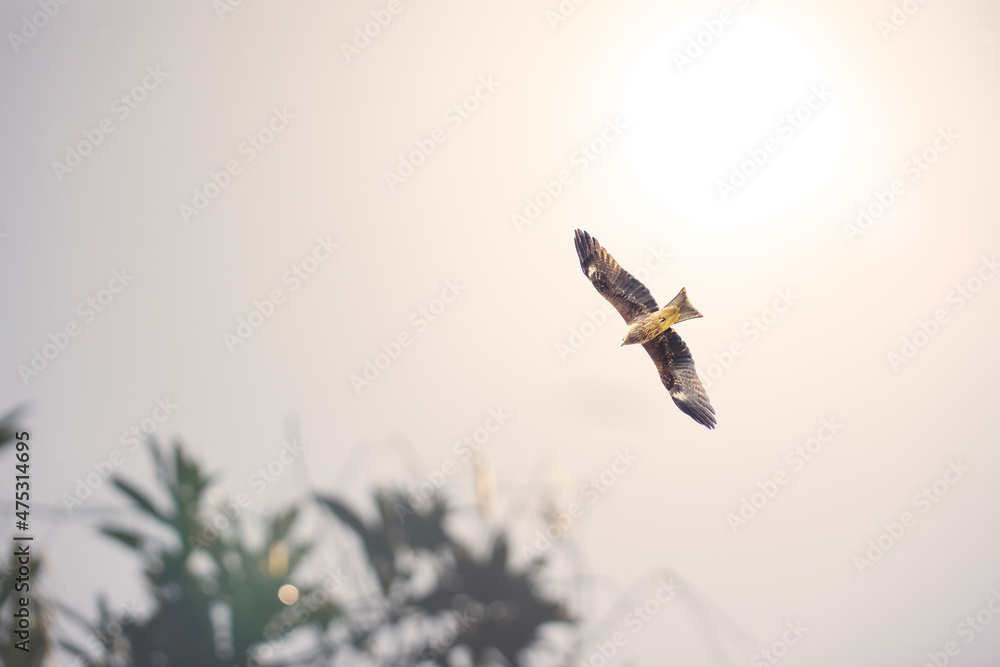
<point x="126" y="537"/>
<point x="376" y="544"/>
<point x="141" y="500"/>
<point x="282" y="523"/>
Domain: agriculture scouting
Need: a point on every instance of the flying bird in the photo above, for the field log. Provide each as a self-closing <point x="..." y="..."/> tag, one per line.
<point x="650" y="326"/>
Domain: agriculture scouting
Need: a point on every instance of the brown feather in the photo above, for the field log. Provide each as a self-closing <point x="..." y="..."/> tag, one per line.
<point x="629" y="296"/>
<point x="676" y="367"/>
<point x="637" y="307"/>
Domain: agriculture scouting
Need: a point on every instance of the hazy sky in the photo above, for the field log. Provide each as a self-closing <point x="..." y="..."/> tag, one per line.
<point x="219" y="216"/>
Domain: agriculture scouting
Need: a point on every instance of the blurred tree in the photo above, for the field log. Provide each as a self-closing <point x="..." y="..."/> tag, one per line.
<point x="14" y="651"/>
<point x="437" y="598"/>
<point x="214" y="593"/>
<point x="220" y="601"/>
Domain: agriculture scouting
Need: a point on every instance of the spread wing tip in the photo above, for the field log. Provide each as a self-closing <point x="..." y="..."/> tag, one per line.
<point x="586" y="247"/>
<point x="698" y="410"/>
<point x="676" y="368"/>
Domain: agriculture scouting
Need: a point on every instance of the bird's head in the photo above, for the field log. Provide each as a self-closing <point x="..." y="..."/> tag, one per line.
<point x="631" y="336"/>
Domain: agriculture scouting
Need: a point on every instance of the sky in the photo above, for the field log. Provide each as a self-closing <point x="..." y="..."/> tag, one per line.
<point x="350" y="225"/>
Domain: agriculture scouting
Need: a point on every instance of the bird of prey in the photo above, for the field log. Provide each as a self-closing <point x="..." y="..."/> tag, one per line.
<point x="650" y="326"/>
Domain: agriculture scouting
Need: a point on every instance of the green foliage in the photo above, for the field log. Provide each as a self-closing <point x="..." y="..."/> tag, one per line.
<point x="215" y="613"/>
<point x="479" y="603"/>
<point x="421" y="594"/>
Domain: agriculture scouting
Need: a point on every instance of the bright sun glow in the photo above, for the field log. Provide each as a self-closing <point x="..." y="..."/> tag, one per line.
<point x="738" y="132"/>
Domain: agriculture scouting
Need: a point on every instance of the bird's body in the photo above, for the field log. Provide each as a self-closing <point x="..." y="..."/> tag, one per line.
<point x="649" y="326"/>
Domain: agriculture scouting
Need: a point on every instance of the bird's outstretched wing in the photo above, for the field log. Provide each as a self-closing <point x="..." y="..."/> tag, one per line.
<point x="673" y="360"/>
<point x="629" y="296"/>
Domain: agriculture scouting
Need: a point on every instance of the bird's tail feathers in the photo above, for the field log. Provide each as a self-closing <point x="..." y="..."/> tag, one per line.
<point x="685" y="310"/>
